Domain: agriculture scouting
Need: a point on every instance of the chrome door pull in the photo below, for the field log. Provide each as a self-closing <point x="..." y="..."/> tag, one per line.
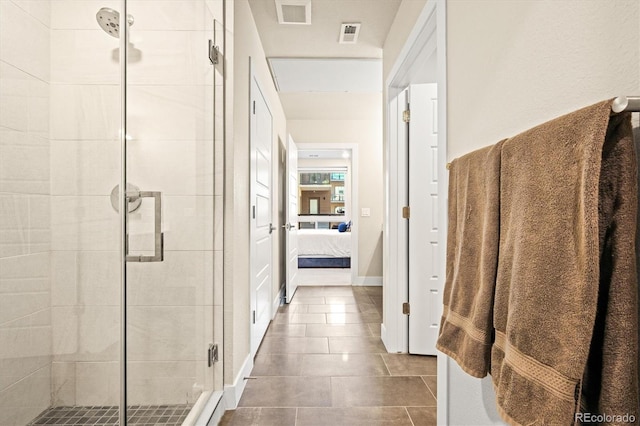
<point x="271" y="228"/>
<point x="158" y="255"/>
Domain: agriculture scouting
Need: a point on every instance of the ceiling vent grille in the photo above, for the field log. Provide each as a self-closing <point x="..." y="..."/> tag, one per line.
<point x="297" y="12"/>
<point x="349" y="33"/>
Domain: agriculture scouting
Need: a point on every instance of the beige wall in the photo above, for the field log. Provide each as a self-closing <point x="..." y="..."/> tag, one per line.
<point x="244" y="42"/>
<point x="367" y="134"/>
<point x="512" y="65"/>
<point x="402" y="25"/>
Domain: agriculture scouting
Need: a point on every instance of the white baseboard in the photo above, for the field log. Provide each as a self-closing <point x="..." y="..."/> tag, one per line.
<point x="372" y="281"/>
<point x="233" y="393"/>
<point x="218" y="412"/>
<point x="383" y="335"/>
<point x="277" y="302"/>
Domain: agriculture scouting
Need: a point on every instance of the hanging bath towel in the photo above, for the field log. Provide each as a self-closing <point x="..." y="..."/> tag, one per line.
<point x="466" y="327"/>
<point x="565" y="303"/>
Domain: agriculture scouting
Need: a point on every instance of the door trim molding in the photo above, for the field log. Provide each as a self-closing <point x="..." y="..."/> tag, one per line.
<point x="253" y="77"/>
<point x="355" y="205"/>
<point x="427" y="37"/>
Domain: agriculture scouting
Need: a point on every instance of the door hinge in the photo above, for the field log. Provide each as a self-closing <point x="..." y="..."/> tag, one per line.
<point x="405" y="308"/>
<point x="214" y="53"/>
<point x="254" y="317"/>
<point x="254" y="107"/>
<point x="406" y="212"/>
<point x="253" y="210"/>
<point x="406" y="115"/>
<point x="212" y="353"/>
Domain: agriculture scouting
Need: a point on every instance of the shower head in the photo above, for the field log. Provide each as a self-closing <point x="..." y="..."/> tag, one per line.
<point x="109" y="21"/>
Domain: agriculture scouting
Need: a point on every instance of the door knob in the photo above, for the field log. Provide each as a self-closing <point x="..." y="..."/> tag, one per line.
<point x="271" y="228"/>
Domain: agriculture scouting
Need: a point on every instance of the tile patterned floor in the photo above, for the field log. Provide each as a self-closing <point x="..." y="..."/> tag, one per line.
<point x="322" y="363"/>
<point x="166" y="415"/>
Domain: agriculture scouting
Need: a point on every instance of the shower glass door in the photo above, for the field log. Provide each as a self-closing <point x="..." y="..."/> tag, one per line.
<point x="108" y="307"/>
<point x="168" y="235"/>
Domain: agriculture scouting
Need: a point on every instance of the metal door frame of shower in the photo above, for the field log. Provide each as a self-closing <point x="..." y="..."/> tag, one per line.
<point x="123" y="41"/>
<point x="208" y="409"/>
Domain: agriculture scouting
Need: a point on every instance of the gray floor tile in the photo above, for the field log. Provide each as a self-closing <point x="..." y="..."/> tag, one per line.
<point x="335" y="330"/>
<point x="260" y="416"/>
<point x="293" y="345"/>
<point x="308" y="372"/>
<point x="366" y="344"/>
<point x="353" y="416"/>
<point x="411" y="365"/>
<point x="267" y="364"/>
<point x="287" y="392"/>
<point x="380" y="391"/>
<point x="423" y="416"/>
<point x="332" y="365"/>
<point x="432" y="383"/>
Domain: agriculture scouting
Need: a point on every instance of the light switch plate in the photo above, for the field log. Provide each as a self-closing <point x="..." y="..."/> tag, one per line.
<point x="366" y="211"/>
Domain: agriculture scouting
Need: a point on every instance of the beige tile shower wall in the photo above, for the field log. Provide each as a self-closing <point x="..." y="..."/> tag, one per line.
<point x="25" y="307"/>
<point x="84" y="116"/>
<point x="170" y="126"/>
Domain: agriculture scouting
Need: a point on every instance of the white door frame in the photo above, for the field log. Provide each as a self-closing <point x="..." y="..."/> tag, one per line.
<point x="353" y="177"/>
<point x="256" y="335"/>
<point x="291" y="219"/>
<point x="425" y="283"/>
<point x="427" y="37"/>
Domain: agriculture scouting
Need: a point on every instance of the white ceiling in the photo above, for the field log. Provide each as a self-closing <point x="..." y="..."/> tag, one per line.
<point x="320" y="40"/>
<point x="327" y="75"/>
<point x="332" y="106"/>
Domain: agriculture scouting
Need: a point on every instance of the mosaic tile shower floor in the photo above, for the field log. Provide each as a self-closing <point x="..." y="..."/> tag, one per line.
<point x="139" y="415"/>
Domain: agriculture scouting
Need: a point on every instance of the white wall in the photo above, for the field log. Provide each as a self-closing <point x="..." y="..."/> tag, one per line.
<point x="25" y="234"/>
<point x="512" y="65"/>
<point x="243" y="42"/>
<point x="367" y="134"/>
<point x="402" y="25"/>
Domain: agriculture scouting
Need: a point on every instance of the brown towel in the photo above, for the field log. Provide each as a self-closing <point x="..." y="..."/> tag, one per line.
<point x="565" y="307"/>
<point x="466" y="329"/>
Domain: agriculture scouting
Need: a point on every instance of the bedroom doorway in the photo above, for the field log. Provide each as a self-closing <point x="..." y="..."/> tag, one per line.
<point x="326" y="195"/>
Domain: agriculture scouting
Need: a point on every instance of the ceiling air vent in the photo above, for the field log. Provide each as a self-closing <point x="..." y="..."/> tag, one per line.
<point x="349" y="33"/>
<point x="294" y="12"/>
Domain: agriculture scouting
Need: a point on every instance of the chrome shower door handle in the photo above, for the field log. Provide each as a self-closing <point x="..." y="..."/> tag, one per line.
<point x="158" y="255"/>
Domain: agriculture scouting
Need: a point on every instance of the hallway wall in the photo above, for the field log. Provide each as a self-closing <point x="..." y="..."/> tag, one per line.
<point x="368" y="135"/>
<point x="243" y="42"/>
<point x="532" y="61"/>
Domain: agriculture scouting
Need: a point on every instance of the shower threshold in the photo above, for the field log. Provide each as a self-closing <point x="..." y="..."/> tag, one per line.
<point x="139" y="415"/>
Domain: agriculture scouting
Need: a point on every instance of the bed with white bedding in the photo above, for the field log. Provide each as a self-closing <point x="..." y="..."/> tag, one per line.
<point x="324" y="248"/>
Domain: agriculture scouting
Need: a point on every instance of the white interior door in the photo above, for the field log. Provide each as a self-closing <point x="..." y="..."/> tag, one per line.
<point x="424" y="282"/>
<point x="292" y="219"/>
<point x="261" y="224"/>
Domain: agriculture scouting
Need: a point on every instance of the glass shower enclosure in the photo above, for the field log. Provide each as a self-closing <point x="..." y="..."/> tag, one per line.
<point x="110" y="299"/>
